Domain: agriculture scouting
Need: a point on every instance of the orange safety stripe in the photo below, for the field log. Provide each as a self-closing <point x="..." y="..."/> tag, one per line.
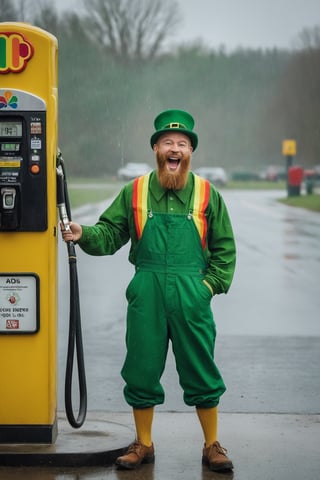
<point x="140" y="202"/>
<point x="200" y="203"/>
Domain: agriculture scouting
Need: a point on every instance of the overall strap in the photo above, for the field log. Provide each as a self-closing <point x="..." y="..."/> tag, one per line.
<point x="140" y="202"/>
<point x="201" y="197"/>
<point x="200" y="202"/>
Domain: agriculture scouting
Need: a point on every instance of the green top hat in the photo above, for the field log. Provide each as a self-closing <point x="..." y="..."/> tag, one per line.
<point x="174" y="121"/>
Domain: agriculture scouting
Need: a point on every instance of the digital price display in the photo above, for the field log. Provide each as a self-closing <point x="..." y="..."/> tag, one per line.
<point x="10" y="147"/>
<point x="11" y="129"/>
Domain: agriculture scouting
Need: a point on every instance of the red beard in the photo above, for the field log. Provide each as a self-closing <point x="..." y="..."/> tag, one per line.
<point x="173" y="180"/>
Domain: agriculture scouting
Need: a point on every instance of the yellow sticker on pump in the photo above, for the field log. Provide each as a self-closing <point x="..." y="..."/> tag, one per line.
<point x="10" y="163"/>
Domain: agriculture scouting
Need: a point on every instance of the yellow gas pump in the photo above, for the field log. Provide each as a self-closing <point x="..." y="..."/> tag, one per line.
<point x="28" y="234"/>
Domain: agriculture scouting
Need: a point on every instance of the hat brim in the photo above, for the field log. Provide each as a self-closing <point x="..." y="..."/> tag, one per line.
<point x="192" y="136"/>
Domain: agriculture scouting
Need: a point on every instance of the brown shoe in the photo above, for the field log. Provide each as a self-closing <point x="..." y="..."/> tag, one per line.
<point x="215" y="457"/>
<point x="137" y="453"/>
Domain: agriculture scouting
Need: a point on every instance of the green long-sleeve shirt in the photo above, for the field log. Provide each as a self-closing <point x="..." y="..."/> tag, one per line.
<point x="116" y="227"/>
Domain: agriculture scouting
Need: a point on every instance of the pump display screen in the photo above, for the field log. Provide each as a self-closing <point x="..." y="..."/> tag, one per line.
<point x="11" y="129"/>
<point x="10" y="147"/>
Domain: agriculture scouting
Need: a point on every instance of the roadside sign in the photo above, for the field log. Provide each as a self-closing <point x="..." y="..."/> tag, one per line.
<point x="289" y="147"/>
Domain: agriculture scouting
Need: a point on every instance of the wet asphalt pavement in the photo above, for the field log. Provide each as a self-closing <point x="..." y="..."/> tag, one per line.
<point x="268" y="350"/>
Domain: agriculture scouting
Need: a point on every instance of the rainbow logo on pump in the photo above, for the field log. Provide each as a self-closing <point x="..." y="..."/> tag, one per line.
<point x="15" y="52"/>
<point x="8" y="100"/>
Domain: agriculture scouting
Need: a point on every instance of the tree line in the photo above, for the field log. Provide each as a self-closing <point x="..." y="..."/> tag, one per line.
<point x="116" y="73"/>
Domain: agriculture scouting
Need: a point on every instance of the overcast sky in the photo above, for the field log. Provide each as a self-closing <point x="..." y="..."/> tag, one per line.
<point x="245" y="23"/>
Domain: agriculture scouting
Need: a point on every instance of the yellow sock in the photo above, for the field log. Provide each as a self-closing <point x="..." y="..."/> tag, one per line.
<point x="209" y="422"/>
<point x="143" y="418"/>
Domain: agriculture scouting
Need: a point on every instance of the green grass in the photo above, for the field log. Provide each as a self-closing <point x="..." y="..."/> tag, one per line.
<point x="84" y="193"/>
<point x="255" y="185"/>
<point x="309" y="202"/>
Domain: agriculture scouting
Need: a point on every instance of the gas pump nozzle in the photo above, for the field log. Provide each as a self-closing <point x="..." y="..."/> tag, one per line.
<point x="61" y="201"/>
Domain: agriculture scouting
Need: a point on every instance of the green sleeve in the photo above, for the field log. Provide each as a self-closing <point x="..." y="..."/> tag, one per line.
<point x="221" y="245"/>
<point x="114" y="228"/>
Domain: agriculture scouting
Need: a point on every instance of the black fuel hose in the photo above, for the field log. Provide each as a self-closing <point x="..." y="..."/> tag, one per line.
<point x="75" y="331"/>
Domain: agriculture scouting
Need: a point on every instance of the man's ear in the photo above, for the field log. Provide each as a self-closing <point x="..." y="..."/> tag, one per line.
<point x="155" y="148"/>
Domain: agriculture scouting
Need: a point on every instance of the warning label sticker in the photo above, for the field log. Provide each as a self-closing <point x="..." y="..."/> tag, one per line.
<point x="19" y="303"/>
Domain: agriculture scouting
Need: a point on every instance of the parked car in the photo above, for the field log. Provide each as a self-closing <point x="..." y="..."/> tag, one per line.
<point x="316" y="168"/>
<point x="245" y="176"/>
<point x="215" y="175"/>
<point x="132" y="170"/>
<point x="273" y="173"/>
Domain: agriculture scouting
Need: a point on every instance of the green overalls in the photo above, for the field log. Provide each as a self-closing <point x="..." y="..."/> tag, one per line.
<point x="167" y="299"/>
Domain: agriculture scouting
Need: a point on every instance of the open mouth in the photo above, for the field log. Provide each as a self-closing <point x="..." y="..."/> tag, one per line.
<point x="173" y="164"/>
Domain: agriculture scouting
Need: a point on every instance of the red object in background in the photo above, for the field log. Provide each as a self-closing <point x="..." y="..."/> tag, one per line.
<point x="295" y="176"/>
<point x="310" y="173"/>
